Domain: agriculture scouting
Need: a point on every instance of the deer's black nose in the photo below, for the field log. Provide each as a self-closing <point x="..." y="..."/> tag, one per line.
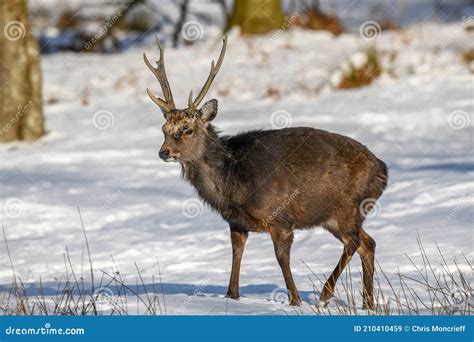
<point x="164" y="154"/>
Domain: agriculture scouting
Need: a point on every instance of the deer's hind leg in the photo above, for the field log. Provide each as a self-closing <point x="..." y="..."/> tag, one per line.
<point x="345" y="226"/>
<point x="351" y="243"/>
<point x="367" y="256"/>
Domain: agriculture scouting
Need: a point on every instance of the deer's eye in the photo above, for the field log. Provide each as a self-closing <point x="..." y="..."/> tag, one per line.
<point x="176" y="135"/>
<point x="189" y="132"/>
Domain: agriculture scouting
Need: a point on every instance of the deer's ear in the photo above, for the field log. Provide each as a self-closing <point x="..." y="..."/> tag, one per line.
<point x="208" y="110"/>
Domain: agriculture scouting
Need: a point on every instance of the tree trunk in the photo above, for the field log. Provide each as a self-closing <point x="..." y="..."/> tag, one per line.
<point x="21" y="115"/>
<point x="256" y="16"/>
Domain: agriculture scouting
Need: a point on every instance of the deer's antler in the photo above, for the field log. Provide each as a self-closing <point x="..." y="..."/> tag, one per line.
<point x="167" y="104"/>
<point x="214" y="70"/>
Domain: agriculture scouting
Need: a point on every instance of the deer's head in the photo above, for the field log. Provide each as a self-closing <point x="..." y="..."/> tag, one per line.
<point x="185" y="130"/>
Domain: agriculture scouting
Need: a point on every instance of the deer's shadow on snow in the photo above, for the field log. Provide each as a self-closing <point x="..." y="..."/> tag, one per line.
<point x="269" y="292"/>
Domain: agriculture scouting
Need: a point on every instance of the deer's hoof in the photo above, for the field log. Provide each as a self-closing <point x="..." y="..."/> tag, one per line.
<point x="368" y="305"/>
<point x="232" y="295"/>
<point x="294" y="298"/>
<point x="295" y="301"/>
<point x="325" y="296"/>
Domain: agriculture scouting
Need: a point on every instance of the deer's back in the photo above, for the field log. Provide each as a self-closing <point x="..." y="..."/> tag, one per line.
<point x="300" y="176"/>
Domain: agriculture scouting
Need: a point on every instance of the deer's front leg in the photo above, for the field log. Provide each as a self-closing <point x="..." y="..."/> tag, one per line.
<point x="238" y="238"/>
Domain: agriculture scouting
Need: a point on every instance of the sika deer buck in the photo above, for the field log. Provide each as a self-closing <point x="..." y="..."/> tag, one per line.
<point x="274" y="181"/>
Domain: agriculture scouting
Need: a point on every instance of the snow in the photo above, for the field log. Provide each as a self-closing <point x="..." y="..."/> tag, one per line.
<point x="101" y="154"/>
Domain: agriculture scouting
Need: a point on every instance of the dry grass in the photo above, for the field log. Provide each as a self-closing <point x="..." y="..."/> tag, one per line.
<point x="441" y="289"/>
<point x="364" y="75"/>
<point x="468" y="56"/>
<point x="314" y="19"/>
<point x="74" y="298"/>
<point x="445" y="291"/>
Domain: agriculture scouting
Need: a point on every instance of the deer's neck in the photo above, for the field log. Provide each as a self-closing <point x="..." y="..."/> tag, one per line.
<point x="209" y="173"/>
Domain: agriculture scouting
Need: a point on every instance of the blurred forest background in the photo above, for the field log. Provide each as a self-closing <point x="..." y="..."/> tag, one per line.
<point x="51" y="26"/>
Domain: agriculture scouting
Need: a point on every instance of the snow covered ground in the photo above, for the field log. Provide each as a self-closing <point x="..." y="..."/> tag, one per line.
<point x="101" y="154"/>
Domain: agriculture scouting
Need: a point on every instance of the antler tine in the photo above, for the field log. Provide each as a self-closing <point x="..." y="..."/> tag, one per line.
<point x="158" y="101"/>
<point x="190" y="101"/>
<point x="160" y="74"/>
<point x="214" y="70"/>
